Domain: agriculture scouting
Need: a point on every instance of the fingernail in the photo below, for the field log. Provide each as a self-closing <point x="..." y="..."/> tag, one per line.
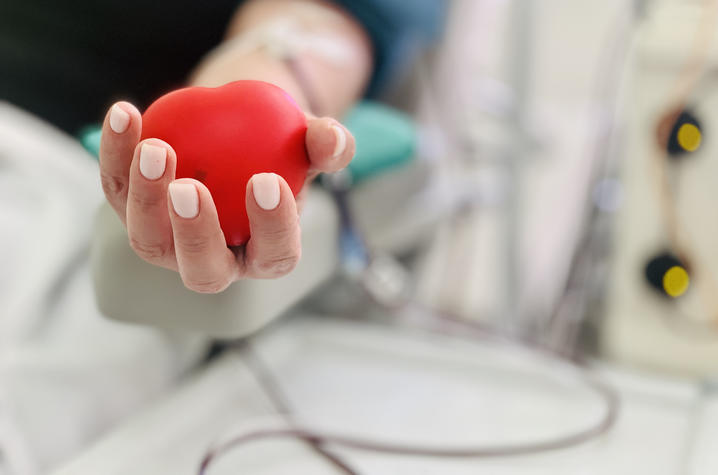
<point x="265" y="187"/>
<point x="185" y="199"/>
<point x="340" y="140"/>
<point x="153" y="159"/>
<point x="119" y="119"/>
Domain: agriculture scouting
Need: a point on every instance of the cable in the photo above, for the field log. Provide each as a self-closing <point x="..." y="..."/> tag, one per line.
<point x="280" y="402"/>
<point x="313" y="439"/>
<point x="318" y="439"/>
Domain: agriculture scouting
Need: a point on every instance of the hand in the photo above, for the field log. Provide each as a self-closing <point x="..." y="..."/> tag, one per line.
<point x="173" y="223"/>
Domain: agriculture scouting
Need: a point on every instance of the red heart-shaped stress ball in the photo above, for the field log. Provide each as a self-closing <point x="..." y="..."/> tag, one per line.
<point x="224" y="135"/>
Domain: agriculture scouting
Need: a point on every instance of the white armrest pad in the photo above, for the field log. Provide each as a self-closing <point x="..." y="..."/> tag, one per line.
<point x="129" y="289"/>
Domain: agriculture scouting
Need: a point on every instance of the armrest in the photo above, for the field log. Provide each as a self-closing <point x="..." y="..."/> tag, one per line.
<point x="131" y="290"/>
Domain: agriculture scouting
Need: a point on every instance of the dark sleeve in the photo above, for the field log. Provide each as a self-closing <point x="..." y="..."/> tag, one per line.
<point x="399" y="30"/>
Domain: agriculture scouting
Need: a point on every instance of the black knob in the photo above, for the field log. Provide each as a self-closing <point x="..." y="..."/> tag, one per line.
<point x="680" y="133"/>
<point x="666" y="274"/>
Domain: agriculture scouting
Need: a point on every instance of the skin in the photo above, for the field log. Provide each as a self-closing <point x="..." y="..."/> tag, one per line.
<point x="196" y="247"/>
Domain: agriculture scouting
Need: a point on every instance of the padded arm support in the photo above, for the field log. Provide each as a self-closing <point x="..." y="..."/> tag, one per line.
<point x="129" y="289"/>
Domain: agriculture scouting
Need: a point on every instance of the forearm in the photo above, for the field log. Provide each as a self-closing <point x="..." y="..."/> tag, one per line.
<point x="331" y="83"/>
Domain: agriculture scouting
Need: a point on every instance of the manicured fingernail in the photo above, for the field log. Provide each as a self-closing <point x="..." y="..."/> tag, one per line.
<point x="153" y="159"/>
<point x="185" y="199"/>
<point x="265" y="187"/>
<point x="341" y="140"/>
<point x="119" y="119"/>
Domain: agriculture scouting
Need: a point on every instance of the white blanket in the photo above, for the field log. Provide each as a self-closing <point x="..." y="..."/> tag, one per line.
<point x="66" y="373"/>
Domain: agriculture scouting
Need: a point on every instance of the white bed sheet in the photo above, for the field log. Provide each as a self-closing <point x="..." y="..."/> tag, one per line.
<point x="66" y="373"/>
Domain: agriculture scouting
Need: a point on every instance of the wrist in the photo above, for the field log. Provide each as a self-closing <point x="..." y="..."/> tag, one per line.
<point x="221" y="67"/>
<point x="313" y="50"/>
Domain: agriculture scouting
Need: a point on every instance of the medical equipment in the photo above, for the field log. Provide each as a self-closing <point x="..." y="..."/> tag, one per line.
<point x="660" y="304"/>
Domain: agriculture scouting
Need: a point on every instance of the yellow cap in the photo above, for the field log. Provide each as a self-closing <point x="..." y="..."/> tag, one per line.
<point x="675" y="281"/>
<point x="689" y="137"/>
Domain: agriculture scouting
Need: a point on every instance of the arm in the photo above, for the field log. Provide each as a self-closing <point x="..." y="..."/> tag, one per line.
<point x="336" y="83"/>
<point x="173" y="223"/>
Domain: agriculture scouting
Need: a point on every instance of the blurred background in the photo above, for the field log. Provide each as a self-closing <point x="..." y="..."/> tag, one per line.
<point x="524" y="275"/>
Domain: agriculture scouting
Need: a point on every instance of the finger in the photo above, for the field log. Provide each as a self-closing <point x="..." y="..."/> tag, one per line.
<point x="148" y="223"/>
<point x="274" y="247"/>
<point x="329" y="144"/>
<point x="301" y="197"/>
<point x="204" y="261"/>
<point x="120" y="133"/>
